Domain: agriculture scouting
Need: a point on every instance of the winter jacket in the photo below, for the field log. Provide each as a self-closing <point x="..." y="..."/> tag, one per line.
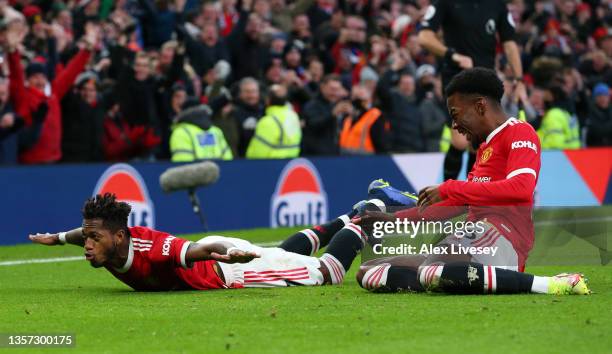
<point x="246" y="118"/>
<point x="83" y="128"/>
<point x="321" y="129"/>
<point x="195" y="138"/>
<point x="599" y="126"/>
<point x="403" y="114"/>
<point x="27" y="99"/>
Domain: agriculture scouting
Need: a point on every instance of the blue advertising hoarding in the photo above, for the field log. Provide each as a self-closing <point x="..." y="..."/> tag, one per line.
<point x="254" y="193"/>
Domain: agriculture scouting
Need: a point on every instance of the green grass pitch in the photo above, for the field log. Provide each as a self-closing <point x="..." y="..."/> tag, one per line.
<point x="107" y="316"/>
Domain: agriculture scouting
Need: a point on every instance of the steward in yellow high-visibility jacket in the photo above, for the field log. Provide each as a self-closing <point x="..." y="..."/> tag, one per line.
<point x="445" y="139"/>
<point x="278" y="134"/>
<point x="194" y="137"/>
<point x="559" y="130"/>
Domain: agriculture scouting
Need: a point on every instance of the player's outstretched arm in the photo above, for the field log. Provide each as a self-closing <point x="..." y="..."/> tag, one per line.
<point x="219" y="251"/>
<point x="74" y="237"/>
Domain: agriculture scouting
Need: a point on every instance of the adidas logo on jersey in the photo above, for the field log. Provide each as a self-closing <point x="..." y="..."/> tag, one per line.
<point x="524" y="144"/>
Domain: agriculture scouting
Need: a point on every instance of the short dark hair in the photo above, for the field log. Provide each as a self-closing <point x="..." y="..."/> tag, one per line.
<point x="114" y="214"/>
<point x="277" y="96"/>
<point x="477" y="81"/>
<point x="330" y="77"/>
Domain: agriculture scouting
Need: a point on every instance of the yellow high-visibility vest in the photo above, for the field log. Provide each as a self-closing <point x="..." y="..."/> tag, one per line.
<point x="445" y="139"/>
<point x="189" y="143"/>
<point x="559" y="130"/>
<point x="277" y="136"/>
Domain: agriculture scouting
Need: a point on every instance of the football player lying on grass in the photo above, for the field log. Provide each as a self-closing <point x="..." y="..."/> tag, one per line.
<point x="150" y="260"/>
<point x="498" y="193"/>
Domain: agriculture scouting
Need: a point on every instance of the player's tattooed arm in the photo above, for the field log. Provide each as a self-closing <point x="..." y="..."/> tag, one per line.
<point x="219" y="251"/>
<point x="74" y="237"/>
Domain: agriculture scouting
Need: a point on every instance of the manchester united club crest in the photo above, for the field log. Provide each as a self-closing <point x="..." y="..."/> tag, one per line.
<point x="486" y="154"/>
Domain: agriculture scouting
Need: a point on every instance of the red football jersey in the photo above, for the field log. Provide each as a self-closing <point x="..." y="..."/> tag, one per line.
<point x="500" y="188"/>
<point x="156" y="262"/>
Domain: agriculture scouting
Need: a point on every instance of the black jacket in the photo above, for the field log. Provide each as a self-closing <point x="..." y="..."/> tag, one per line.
<point x="137" y="99"/>
<point x="246" y="118"/>
<point x="599" y="126"/>
<point x="203" y="57"/>
<point x="320" y="133"/>
<point x="433" y="118"/>
<point x="403" y="114"/>
<point x="82" y="129"/>
<point x="9" y="139"/>
<point x="247" y="55"/>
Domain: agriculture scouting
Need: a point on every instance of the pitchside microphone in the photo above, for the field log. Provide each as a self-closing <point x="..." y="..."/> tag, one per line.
<point x="190" y="177"/>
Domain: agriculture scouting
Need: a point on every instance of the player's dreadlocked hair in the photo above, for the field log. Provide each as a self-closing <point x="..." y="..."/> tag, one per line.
<point x="114" y="214"/>
<point x="477" y="81"/>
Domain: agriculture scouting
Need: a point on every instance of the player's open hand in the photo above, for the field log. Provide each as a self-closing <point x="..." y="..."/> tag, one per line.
<point x="234" y="255"/>
<point x="429" y="196"/>
<point x="45" y="239"/>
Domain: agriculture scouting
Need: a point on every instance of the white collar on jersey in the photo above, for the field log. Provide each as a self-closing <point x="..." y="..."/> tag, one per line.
<point x="129" y="261"/>
<point x="500" y="128"/>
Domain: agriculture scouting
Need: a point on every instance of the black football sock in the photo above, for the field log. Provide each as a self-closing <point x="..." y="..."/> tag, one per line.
<point x="473" y="278"/>
<point x="387" y="278"/>
<point x="342" y="250"/>
<point x="309" y="241"/>
<point x="452" y="163"/>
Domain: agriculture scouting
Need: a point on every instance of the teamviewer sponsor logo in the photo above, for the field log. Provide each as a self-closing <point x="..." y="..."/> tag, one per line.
<point x="127" y="184"/>
<point x="299" y="198"/>
<point x="524" y="144"/>
<point x="481" y="179"/>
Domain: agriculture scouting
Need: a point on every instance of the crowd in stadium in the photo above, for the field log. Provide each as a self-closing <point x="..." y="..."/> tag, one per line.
<point x="103" y="80"/>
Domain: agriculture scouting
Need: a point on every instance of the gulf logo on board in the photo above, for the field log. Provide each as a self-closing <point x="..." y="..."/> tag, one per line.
<point x="126" y="183"/>
<point x="299" y="198"/>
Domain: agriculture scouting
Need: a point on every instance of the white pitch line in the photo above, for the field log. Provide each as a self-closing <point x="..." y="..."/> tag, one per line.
<point x="80" y="258"/>
<point x="42" y="260"/>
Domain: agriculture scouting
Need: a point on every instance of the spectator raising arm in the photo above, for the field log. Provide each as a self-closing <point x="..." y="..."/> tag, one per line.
<point x="63" y="82"/>
<point x="15" y="35"/>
